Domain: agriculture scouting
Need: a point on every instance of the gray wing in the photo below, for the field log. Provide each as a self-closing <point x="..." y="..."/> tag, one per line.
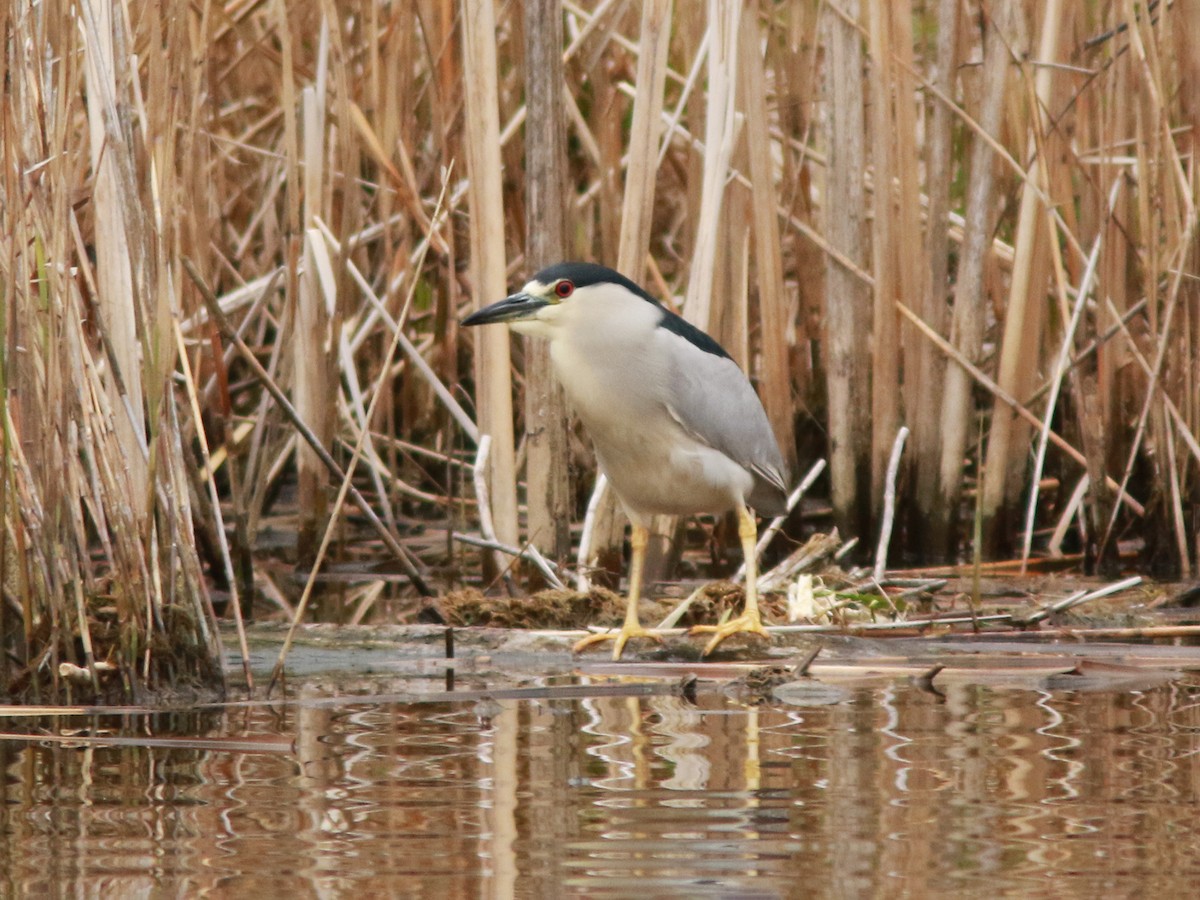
<point x="714" y="401"/>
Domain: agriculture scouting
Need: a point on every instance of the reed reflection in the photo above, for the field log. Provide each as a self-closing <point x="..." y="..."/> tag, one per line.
<point x="886" y="786"/>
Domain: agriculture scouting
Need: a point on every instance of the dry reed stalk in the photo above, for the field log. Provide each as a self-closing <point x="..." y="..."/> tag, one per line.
<point x="1187" y="38"/>
<point x="313" y="384"/>
<point x="482" y="150"/>
<point x="1023" y="315"/>
<point x="847" y="300"/>
<point x="289" y="222"/>
<point x="911" y="240"/>
<point x="1111" y="120"/>
<point x="774" y="385"/>
<point x="546" y="462"/>
<point x="933" y="511"/>
<point x="605" y="129"/>
<point x="111" y="157"/>
<point x="885" y="344"/>
<point x="314" y="343"/>
<point x="393" y="99"/>
<point x="1179" y="526"/>
<point x="733" y="276"/>
<point x="483" y="500"/>
<point x="672" y="119"/>
<point x="794" y="61"/>
<point x="720" y="137"/>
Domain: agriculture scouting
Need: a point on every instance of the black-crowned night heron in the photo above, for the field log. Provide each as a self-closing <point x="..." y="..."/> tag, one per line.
<point x="677" y="427"/>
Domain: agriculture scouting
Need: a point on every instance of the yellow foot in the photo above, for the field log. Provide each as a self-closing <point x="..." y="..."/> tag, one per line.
<point x="746" y="623"/>
<point x="626" y="632"/>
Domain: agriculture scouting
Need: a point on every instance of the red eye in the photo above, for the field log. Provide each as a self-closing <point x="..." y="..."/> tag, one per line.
<point x="564" y="289"/>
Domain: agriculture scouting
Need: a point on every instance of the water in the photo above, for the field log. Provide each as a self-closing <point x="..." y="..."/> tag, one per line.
<point x="876" y="791"/>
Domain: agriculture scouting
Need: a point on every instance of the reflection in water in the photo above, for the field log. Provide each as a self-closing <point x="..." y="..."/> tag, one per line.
<point x="890" y="792"/>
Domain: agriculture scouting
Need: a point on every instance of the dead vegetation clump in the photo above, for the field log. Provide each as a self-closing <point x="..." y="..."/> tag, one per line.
<point x="549" y="610"/>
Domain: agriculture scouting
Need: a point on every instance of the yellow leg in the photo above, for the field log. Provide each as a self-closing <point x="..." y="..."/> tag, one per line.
<point x="749" y="621"/>
<point x="639" y="537"/>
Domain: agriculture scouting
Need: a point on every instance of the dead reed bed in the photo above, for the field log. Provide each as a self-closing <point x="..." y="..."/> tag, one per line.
<point x="974" y="220"/>
<point x="104" y="595"/>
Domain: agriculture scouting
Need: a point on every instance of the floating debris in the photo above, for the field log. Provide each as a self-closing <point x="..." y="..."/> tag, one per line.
<point x="758" y="685"/>
<point x="808" y="692"/>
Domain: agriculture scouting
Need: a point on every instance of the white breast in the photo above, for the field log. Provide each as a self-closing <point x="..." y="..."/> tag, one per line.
<point x="610" y="358"/>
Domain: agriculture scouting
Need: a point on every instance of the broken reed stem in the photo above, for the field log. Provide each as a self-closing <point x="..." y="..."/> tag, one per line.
<point x="529" y="552"/>
<point x="1081" y="597"/>
<point x="482" y="499"/>
<point x="777" y="523"/>
<point x="889" y="503"/>
<point x="601" y="498"/>
<point x="210" y="482"/>
<point x="1070" y="510"/>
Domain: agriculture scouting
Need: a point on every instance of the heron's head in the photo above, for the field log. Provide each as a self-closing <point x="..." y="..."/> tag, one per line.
<point x="544" y="304"/>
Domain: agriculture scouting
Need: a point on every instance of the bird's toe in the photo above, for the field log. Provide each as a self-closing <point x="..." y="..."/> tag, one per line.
<point x="620" y="639"/>
<point x="743" y="624"/>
